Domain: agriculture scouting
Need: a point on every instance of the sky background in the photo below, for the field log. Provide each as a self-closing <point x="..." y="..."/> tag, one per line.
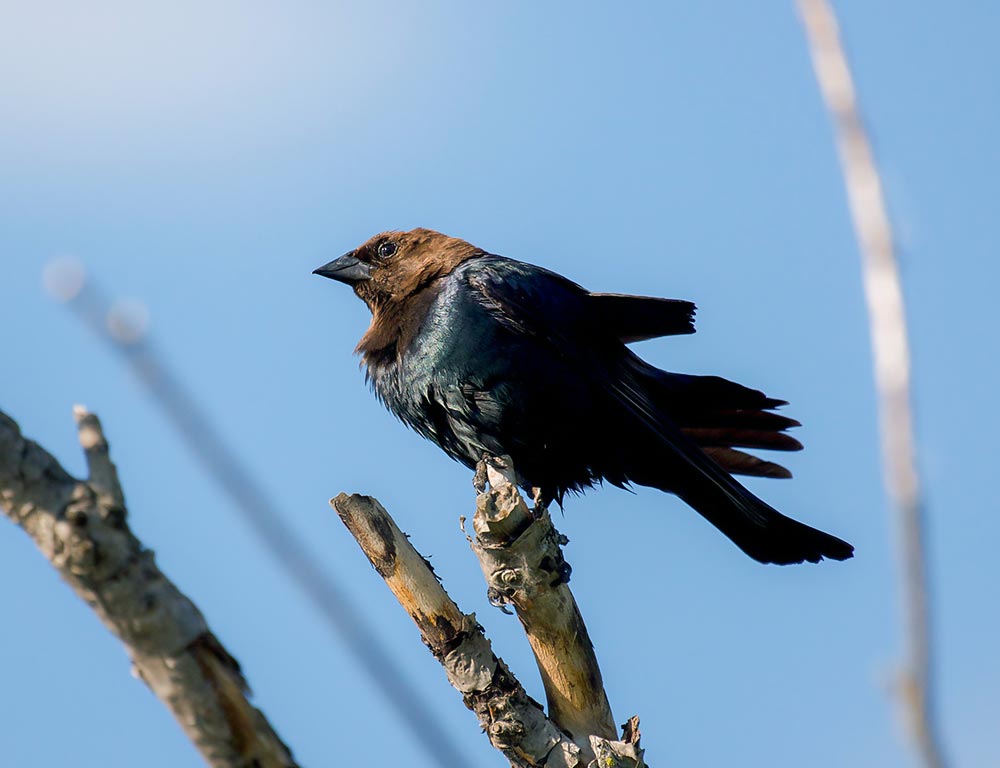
<point x="203" y="158"/>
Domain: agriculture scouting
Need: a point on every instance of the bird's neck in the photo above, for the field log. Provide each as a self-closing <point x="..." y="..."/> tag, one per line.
<point x="394" y="326"/>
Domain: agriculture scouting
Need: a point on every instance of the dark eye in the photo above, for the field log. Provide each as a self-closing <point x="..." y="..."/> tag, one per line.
<point x="386" y="249"/>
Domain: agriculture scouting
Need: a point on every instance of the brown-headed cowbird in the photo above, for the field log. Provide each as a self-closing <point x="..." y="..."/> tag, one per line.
<point x="485" y="355"/>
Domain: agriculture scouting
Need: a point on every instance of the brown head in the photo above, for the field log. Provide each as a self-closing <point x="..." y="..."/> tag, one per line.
<point x="389" y="272"/>
<point x="393" y="266"/>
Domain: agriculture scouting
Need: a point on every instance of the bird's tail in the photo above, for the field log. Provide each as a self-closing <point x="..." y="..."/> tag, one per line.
<point x="757" y="528"/>
<point x="682" y="462"/>
<point x="721" y="416"/>
<point x="751" y="524"/>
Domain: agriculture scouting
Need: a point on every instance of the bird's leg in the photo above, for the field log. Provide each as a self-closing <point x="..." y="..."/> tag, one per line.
<point x="500" y="466"/>
<point x="540" y="498"/>
<point x="479" y="479"/>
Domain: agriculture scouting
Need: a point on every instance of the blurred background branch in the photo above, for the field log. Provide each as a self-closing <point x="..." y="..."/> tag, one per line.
<point x="890" y="350"/>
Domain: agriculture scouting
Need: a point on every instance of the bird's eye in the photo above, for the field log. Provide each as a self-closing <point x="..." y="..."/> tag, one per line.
<point x="386" y="249"/>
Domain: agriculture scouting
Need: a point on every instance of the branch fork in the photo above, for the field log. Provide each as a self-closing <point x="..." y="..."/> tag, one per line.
<point x="521" y="557"/>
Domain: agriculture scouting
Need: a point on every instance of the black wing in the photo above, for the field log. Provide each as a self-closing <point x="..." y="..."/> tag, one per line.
<point x="648" y="446"/>
<point x="637" y="318"/>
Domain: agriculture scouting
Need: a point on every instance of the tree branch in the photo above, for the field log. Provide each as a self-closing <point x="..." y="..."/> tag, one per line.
<point x="520" y="554"/>
<point x="514" y="723"/>
<point x="80" y="527"/>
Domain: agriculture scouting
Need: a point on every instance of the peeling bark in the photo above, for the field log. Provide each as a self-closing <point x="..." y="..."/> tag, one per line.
<point x="81" y="527"/>
<point x="521" y="556"/>
<point x="515" y="723"/>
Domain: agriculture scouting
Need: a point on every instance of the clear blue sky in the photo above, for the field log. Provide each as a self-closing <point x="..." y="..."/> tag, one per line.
<point x="204" y="158"/>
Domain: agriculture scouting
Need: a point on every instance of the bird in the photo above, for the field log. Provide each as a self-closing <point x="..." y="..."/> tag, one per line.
<point x="489" y="356"/>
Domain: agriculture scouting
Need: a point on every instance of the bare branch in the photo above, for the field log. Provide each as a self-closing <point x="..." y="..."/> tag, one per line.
<point x="890" y="349"/>
<point x="513" y="721"/>
<point x="80" y="527"/>
<point x="102" y="473"/>
<point x="520" y="554"/>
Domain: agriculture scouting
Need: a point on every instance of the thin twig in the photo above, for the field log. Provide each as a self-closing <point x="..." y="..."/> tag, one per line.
<point x="890" y="349"/>
<point x="129" y="339"/>
<point x="81" y="528"/>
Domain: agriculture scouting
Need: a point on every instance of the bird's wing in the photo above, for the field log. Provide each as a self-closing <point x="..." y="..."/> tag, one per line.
<point x="530" y="300"/>
<point x="550" y="308"/>
<point x="717" y="415"/>
<point x="519" y="293"/>
<point x="637" y="318"/>
<point x="541" y="304"/>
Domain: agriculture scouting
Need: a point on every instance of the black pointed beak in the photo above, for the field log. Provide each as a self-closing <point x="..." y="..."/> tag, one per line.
<point x="347" y="269"/>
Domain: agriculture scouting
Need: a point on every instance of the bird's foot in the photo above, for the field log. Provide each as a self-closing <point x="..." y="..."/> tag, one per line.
<point x="479" y="479"/>
<point x="501" y="467"/>
<point x="540" y="498"/>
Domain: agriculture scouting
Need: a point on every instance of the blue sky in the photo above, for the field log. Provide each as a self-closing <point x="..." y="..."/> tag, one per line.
<point x="204" y="158"/>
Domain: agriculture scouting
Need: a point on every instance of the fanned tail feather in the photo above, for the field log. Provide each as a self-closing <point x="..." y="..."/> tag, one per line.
<point x="720" y="416"/>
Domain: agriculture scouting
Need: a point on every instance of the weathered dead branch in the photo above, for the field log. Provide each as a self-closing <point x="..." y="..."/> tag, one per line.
<point x="520" y="553"/>
<point x="514" y="723"/>
<point x="81" y="528"/>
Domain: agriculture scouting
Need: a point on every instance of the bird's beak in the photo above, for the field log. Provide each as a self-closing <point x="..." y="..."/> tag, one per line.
<point x="347" y="269"/>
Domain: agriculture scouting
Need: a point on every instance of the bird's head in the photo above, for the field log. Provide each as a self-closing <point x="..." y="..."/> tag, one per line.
<point x="393" y="266"/>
